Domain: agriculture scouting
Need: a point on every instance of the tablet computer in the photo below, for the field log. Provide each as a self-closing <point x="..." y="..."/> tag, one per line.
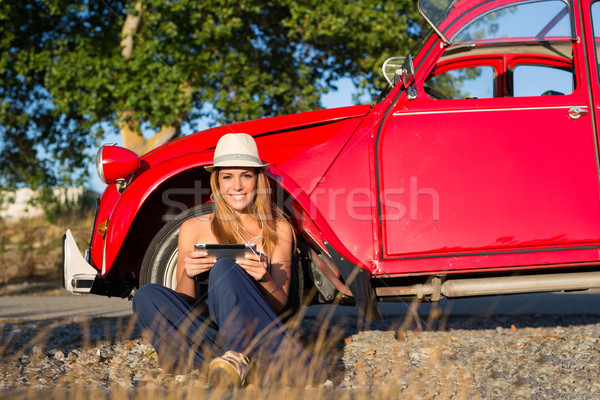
<point x="234" y="251"/>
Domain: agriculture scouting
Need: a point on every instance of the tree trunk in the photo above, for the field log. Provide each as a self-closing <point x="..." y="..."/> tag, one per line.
<point x="133" y="139"/>
<point x="128" y="127"/>
<point x="129" y="30"/>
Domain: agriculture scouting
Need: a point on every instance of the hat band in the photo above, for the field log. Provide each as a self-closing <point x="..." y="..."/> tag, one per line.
<point x="236" y="157"/>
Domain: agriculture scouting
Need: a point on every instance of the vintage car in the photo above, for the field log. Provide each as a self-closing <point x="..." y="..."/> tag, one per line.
<point x="477" y="172"/>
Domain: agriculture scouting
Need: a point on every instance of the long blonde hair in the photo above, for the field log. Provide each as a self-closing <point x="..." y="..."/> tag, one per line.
<point x="225" y="224"/>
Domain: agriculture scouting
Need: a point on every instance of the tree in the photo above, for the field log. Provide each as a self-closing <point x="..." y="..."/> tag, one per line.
<point x="71" y="70"/>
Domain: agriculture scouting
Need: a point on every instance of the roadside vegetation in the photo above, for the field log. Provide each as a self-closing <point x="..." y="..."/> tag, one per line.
<point x="31" y="248"/>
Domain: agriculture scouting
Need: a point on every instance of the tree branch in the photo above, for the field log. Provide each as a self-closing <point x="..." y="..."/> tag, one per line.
<point x="129" y="30"/>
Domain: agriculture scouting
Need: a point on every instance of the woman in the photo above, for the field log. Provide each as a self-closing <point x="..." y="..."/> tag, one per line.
<point x="244" y="295"/>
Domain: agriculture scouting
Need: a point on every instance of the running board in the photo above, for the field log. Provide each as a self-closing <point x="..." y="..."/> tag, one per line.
<point x="473" y="287"/>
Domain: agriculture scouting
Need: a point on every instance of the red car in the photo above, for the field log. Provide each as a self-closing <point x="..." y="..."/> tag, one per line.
<point x="477" y="173"/>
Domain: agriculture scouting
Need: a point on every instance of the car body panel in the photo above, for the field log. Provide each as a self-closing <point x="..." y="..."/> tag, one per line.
<point x="459" y="210"/>
<point x="591" y="54"/>
<point x="138" y="191"/>
<point x="206" y="140"/>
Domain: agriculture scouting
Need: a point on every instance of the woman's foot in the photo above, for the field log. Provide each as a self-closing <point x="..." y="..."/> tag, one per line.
<point x="228" y="371"/>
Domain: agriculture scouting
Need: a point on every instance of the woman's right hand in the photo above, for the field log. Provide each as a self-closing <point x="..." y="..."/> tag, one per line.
<point x="197" y="262"/>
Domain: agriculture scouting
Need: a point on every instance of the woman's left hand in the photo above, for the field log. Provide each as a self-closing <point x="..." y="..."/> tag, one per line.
<point x="256" y="266"/>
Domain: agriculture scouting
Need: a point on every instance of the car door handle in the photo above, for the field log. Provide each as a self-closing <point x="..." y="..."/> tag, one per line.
<point x="576" y="112"/>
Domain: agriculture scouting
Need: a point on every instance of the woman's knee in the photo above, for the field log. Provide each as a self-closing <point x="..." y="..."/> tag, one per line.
<point x="224" y="274"/>
<point x="147" y="298"/>
<point x="145" y="292"/>
<point x="222" y="267"/>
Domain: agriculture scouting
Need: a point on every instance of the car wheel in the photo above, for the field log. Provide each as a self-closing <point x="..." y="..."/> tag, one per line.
<point x="160" y="261"/>
<point x="296" y="290"/>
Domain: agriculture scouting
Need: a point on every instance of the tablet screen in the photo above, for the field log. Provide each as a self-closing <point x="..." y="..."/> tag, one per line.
<point x="233" y="251"/>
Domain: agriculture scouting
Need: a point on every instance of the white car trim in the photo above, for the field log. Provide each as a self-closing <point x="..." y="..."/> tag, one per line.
<point x="75" y="268"/>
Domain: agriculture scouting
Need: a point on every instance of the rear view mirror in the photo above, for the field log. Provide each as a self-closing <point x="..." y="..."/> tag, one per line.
<point x="398" y="69"/>
<point x="389" y="68"/>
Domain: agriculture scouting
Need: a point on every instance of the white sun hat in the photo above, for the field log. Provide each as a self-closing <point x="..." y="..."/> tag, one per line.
<point x="236" y="150"/>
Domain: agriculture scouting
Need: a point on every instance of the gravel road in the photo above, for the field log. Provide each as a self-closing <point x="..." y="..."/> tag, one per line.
<point x="495" y="348"/>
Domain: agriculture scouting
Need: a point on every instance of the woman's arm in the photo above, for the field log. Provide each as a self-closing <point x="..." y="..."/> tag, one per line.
<point x="276" y="284"/>
<point x="190" y="262"/>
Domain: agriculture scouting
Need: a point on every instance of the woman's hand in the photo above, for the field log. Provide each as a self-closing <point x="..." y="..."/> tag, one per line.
<point x="256" y="266"/>
<point x="197" y="262"/>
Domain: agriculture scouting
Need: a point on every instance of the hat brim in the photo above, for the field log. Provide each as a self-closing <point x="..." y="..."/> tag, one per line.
<point x="236" y="164"/>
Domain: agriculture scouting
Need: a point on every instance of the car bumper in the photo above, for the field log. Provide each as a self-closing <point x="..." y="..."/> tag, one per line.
<point x="78" y="274"/>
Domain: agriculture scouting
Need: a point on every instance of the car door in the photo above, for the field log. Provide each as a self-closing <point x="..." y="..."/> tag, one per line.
<point x="505" y="162"/>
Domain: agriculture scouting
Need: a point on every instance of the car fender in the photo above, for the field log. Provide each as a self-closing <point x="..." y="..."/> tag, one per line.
<point x="131" y="201"/>
<point x="311" y="220"/>
<point x="313" y="224"/>
<point x="135" y="195"/>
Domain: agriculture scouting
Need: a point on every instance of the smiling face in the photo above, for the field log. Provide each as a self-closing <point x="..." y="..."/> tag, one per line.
<point x="238" y="187"/>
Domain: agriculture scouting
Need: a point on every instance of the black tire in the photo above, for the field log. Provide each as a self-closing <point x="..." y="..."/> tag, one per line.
<point x="296" y="291"/>
<point x="160" y="261"/>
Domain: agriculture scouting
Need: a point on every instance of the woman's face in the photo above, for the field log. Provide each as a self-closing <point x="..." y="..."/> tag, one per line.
<point x="238" y="187"/>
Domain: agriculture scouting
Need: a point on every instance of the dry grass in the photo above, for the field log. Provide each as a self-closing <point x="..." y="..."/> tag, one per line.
<point x="184" y="393"/>
<point x="374" y="378"/>
<point x="32" y="248"/>
<point x="73" y="382"/>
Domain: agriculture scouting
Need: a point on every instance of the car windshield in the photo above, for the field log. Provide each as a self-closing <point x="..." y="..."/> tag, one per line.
<point x="468" y="21"/>
<point x="479" y="22"/>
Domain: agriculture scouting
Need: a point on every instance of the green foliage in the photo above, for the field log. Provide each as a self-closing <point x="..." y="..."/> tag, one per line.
<point x="55" y="203"/>
<point x="64" y="78"/>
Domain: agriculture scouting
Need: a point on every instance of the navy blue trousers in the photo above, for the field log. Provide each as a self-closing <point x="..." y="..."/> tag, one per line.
<point x="237" y="318"/>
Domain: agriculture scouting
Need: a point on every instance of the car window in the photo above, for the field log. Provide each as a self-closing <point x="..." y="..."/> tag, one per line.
<point x="535" y="20"/>
<point x="541" y="80"/>
<point x="462" y="83"/>
<point x="596" y="26"/>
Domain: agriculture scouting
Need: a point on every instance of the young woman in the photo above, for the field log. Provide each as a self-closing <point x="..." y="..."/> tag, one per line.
<point x="244" y="296"/>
